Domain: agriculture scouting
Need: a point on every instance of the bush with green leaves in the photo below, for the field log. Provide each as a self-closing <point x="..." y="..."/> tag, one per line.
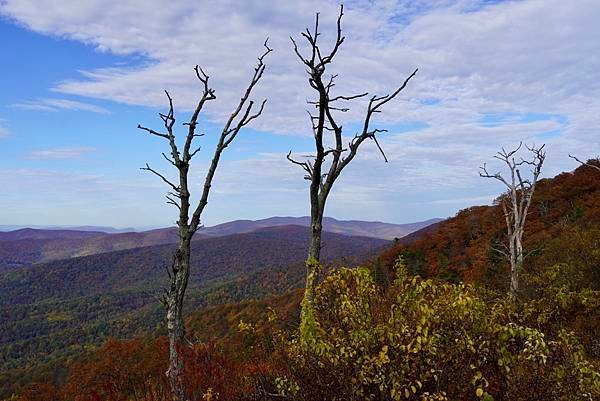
<point x="429" y="340"/>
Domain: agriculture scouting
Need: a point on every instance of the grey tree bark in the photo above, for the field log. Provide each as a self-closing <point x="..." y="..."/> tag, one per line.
<point x="179" y="196"/>
<point x="326" y="164"/>
<point x="593" y="163"/>
<point x="515" y="205"/>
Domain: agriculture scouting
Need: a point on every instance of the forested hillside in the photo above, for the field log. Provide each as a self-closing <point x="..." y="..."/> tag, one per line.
<point x="383" y="330"/>
<point x="27" y="246"/>
<point x="563" y="226"/>
<point x="66" y="307"/>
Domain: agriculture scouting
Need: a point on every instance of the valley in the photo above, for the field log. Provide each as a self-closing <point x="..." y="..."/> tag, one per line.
<point x="59" y="308"/>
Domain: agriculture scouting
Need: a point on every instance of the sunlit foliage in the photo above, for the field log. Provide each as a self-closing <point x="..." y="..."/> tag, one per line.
<point x="432" y="340"/>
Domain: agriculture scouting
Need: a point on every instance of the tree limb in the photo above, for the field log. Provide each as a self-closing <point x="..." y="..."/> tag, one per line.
<point x="228" y="134"/>
<point x="597" y="159"/>
<point x="148" y="168"/>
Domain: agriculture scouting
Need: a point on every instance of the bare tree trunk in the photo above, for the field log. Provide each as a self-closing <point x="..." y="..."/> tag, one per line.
<point x="175" y="326"/>
<point x="322" y="177"/>
<point x="313" y="268"/>
<point x="516" y="262"/>
<point x="515" y="206"/>
<point x="179" y="196"/>
<point x="316" y="228"/>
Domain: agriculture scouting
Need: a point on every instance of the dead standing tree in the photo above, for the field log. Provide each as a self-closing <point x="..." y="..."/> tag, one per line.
<point x="515" y="205"/>
<point x="179" y="196"/>
<point x="324" y="122"/>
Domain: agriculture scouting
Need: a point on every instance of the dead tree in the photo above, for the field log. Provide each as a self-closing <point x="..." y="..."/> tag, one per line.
<point x="325" y="165"/>
<point x="179" y="196"/>
<point x="588" y="163"/>
<point x="515" y="204"/>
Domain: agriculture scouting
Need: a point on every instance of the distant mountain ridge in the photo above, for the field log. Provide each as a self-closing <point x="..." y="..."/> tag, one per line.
<point x="375" y="229"/>
<point x="34" y="233"/>
<point x="26" y="246"/>
<point x="101" y="229"/>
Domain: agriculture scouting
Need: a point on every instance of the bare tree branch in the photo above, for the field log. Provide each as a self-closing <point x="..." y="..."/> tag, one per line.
<point x="171" y="201"/>
<point x="374" y="105"/>
<point x="151" y="131"/>
<point x="148" y="168"/>
<point x="352" y="97"/>
<point x="374" y="138"/>
<point x="228" y="134"/>
<point x="207" y="95"/>
<point x="588" y="163"/>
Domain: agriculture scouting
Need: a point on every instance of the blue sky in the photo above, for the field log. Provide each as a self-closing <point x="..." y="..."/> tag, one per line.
<point x="78" y="78"/>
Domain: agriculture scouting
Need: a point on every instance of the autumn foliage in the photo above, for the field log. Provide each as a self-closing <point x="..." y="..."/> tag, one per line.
<point x="417" y="339"/>
<point x="133" y="370"/>
<point x="462" y="248"/>
<point x="432" y="340"/>
<point x="428" y="320"/>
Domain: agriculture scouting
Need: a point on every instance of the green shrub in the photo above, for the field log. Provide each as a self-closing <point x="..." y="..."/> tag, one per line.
<point x="431" y="340"/>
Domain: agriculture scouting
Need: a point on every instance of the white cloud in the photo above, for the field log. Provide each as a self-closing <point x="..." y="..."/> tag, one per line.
<point x="535" y="62"/>
<point x="517" y="56"/>
<point x="60" y="153"/>
<point x="47" y="104"/>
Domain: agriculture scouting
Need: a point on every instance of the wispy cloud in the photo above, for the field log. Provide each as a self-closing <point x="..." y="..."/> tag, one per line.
<point x="513" y="59"/>
<point x="475" y="57"/>
<point x="4" y="132"/>
<point x="49" y="104"/>
<point x="78" y="197"/>
<point x="57" y="154"/>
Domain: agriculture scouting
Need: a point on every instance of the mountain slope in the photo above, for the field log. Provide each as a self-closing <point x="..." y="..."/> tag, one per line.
<point x="33" y="233"/>
<point x="348" y="227"/>
<point x="50" y="309"/>
<point x="27" y="246"/>
<point x="563" y="226"/>
<point x="95" y="229"/>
